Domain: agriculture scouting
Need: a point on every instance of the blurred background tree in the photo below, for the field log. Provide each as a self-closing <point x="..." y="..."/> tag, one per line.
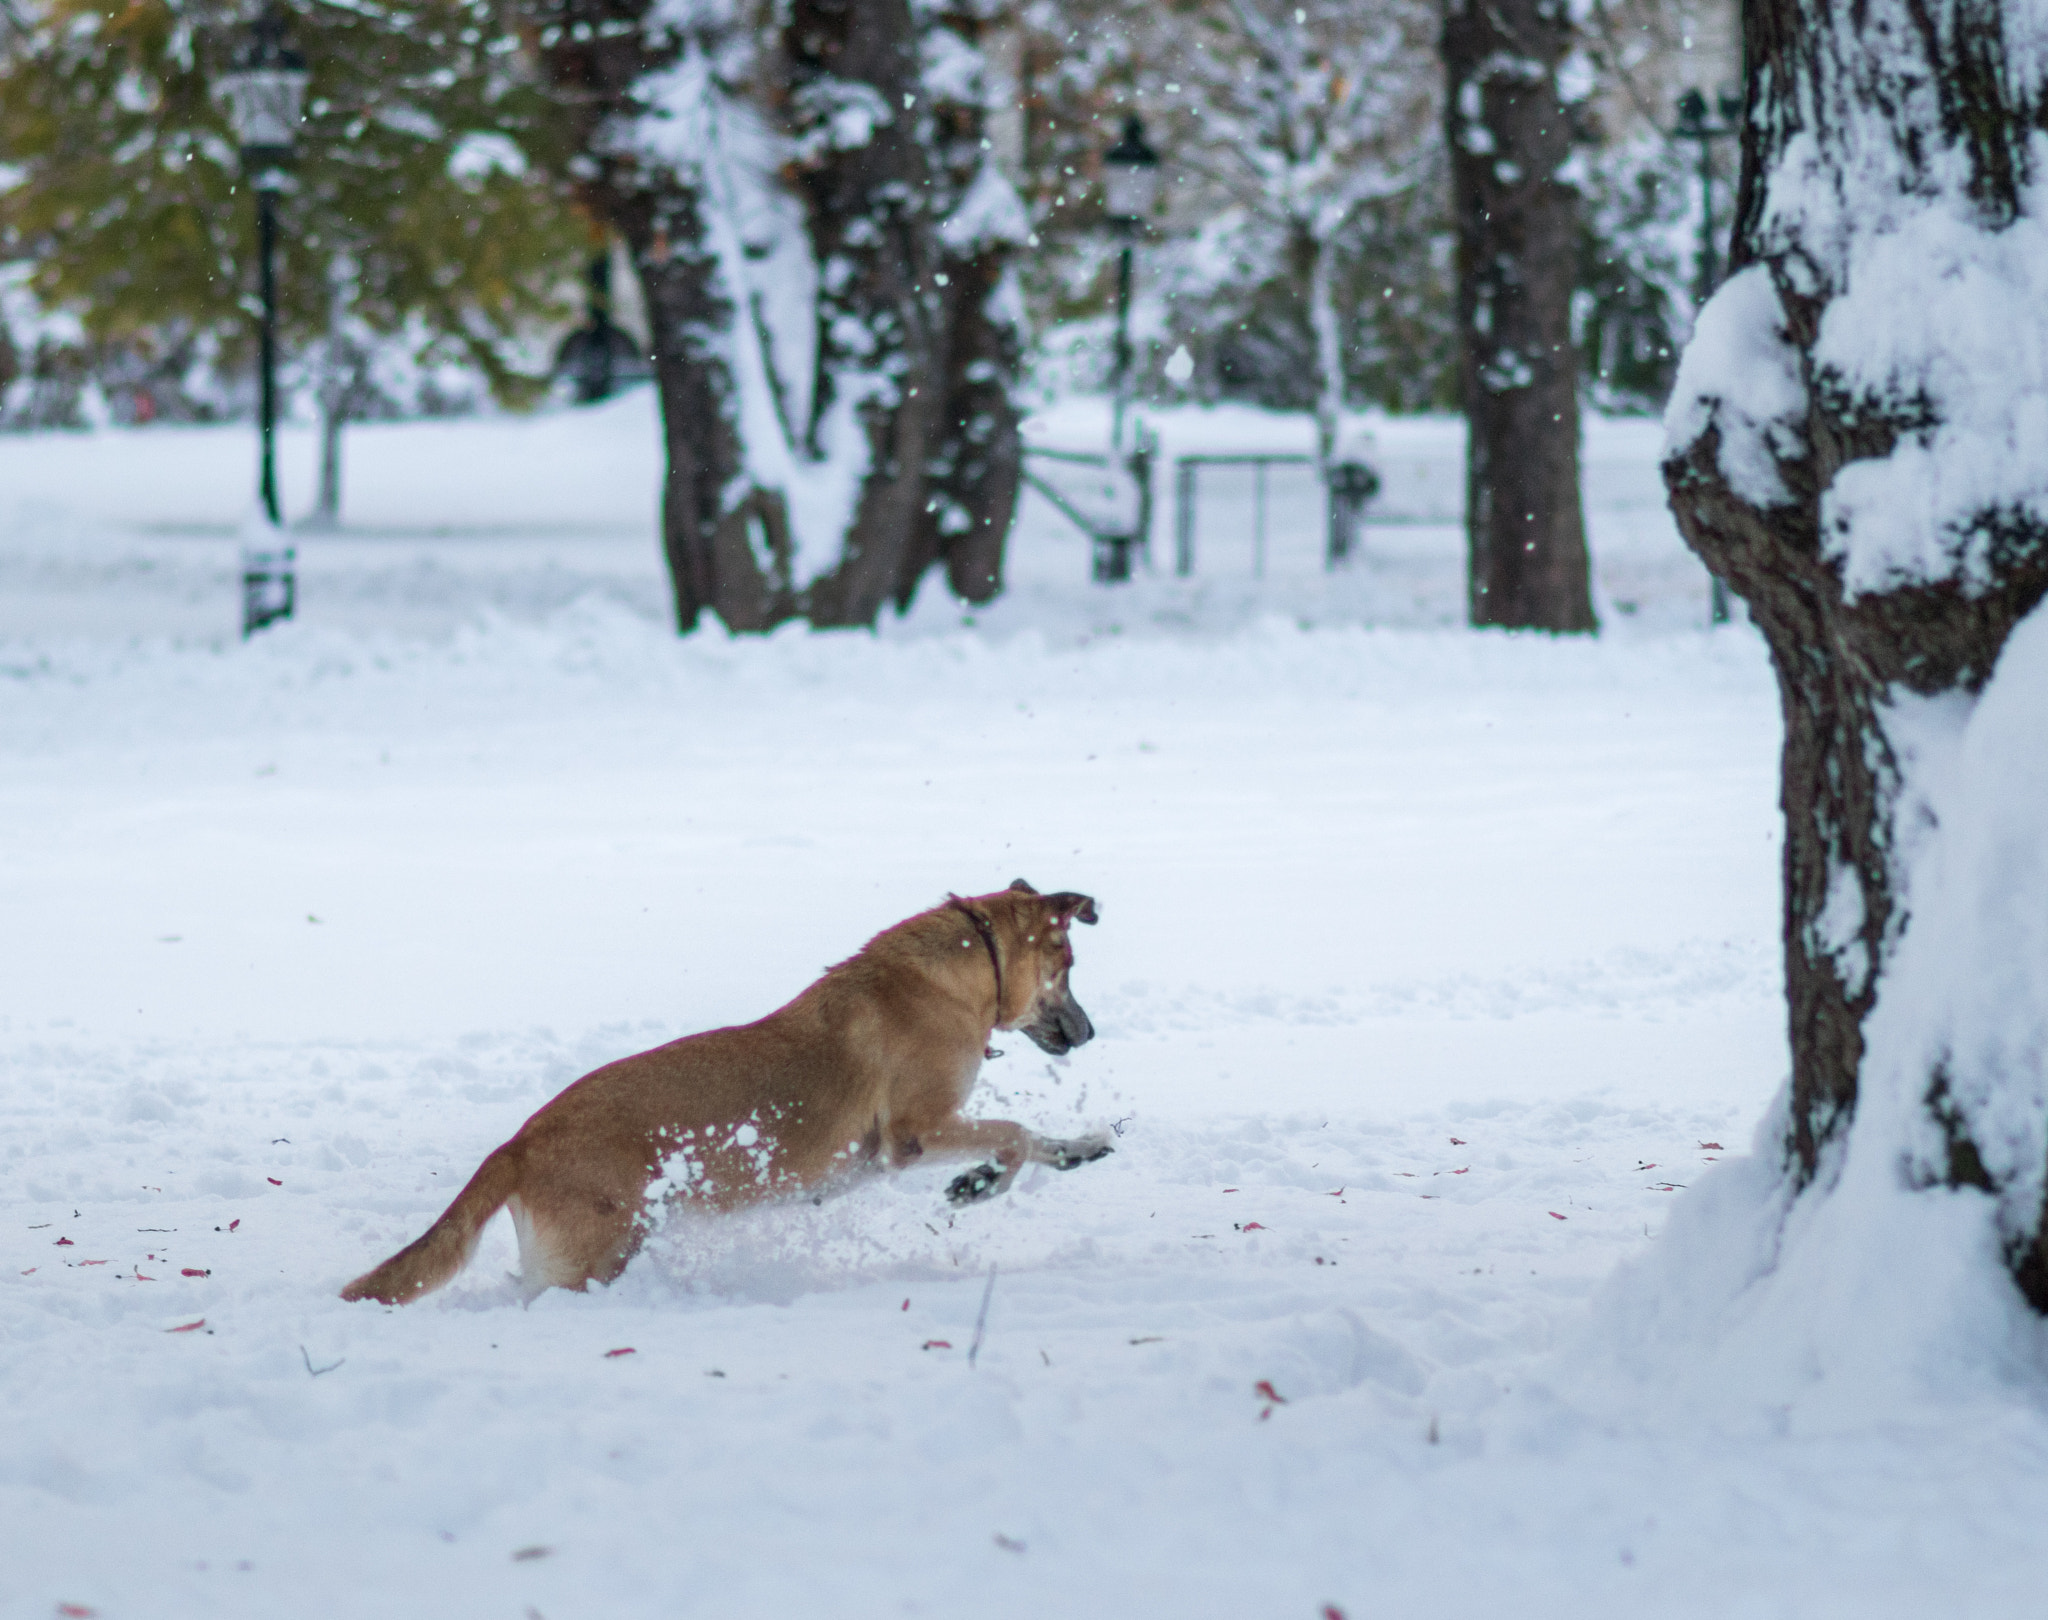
<point x="467" y="165"/>
<point x="427" y="259"/>
<point x="1225" y="276"/>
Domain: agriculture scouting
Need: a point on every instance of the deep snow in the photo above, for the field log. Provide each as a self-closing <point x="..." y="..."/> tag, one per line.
<point x="1430" y="965"/>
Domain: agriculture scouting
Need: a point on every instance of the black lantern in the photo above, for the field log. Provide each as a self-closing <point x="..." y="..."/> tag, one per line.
<point x="266" y="94"/>
<point x="1130" y="177"/>
<point x="1696" y="123"/>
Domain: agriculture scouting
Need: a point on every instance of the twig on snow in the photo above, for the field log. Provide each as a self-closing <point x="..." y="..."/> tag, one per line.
<point x="981" y="1321"/>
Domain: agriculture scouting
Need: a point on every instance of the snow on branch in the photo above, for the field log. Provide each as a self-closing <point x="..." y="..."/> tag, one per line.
<point x="1741" y="377"/>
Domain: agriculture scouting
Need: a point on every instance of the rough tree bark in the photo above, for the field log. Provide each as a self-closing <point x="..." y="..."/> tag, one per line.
<point x="903" y="313"/>
<point x="1819" y="403"/>
<point x="1510" y="134"/>
<point x="885" y="166"/>
<point x="597" y="55"/>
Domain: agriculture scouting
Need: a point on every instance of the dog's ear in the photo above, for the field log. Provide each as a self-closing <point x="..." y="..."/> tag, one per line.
<point x="1019" y="886"/>
<point x="1071" y="907"/>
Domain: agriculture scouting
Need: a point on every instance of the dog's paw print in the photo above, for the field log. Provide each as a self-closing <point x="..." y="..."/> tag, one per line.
<point x="971" y="1186"/>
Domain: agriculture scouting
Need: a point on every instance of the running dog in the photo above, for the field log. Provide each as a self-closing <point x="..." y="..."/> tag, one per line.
<point x="865" y="1071"/>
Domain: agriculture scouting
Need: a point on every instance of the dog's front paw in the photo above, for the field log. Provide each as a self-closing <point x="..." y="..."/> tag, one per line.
<point x="1065" y="1155"/>
<point x="971" y="1186"/>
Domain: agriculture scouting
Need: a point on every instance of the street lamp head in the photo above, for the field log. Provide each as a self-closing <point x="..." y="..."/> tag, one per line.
<point x="1692" y="116"/>
<point x="265" y="94"/>
<point x="1130" y="177"/>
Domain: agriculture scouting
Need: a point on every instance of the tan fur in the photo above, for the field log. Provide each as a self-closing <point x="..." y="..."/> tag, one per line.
<point x="866" y="1070"/>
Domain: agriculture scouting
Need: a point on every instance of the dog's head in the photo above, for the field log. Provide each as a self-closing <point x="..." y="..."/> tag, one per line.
<point x="1040" y="953"/>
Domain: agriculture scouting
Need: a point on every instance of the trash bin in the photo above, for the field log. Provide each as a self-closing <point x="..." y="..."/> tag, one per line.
<point x="1352" y="484"/>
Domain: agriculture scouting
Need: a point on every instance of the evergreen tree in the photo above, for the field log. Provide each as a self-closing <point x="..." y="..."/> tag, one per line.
<point x="415" y="221"/>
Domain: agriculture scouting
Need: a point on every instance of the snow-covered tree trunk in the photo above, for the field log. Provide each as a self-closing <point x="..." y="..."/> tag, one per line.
<point x="327" y="502"/>
<point x="1517" y="215"/>
<point x="821" y="240"/>
<point x="1321" y="264"/>
<point x="1322" y="320"/>
<point x="343" y="388"/>
<point x="606" y="65"/>
<point x="887" y="115"/>
<point x="1859" y="447"/>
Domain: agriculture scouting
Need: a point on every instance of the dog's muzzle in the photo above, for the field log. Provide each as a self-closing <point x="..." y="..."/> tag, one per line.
<point x="1060" y="1029"/>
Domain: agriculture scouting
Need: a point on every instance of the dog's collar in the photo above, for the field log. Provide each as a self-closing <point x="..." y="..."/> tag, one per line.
<point x="988" y="938"/>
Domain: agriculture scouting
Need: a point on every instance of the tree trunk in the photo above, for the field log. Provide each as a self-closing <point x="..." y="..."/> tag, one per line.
<point x="1518" y="241"/>
<point x="1321" y="266"/>
<point x="725" y="537"/>
<point x="1813" y="418"/>
<point x="326" y="512"/>
<point x="599" y="56"/>
<point x="905" y="322"/>
<point x="904" y="316"/>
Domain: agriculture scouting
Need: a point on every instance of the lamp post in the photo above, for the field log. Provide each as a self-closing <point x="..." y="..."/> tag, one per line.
<point x="1130" y="188"/>
<point x="1696" y="124"/>
<point x="265" y="94"/>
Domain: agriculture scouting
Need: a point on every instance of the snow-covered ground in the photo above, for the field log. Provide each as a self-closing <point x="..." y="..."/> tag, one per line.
<point x="1434" y="968"/>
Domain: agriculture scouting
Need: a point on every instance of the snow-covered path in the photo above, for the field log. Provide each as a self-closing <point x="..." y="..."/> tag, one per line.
<point x="1429" y="965"/>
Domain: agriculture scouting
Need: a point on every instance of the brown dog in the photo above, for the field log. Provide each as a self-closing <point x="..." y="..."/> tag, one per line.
<point x="866" y="1070"/>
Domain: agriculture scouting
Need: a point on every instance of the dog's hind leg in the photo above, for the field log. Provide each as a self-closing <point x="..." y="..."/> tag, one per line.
<point x="570" y="1240"/>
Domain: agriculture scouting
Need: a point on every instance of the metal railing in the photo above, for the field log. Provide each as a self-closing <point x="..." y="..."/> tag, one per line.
<point x="1113" y="541"/>
<point x="1185" y="469"/>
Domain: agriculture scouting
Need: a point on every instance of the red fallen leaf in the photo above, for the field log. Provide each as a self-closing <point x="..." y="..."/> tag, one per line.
<point x="1457" y="1141"/>
<point x="906" y="1304"/>
<point x="1410" y="1174"/>
<point x="1464" y="1172"/>
<point x="1716" y="1146"/>
<point x="273" y="1181"/>
<point x="1339" y="1193"/>
<point x="75" y="1611"/>
<point x="1254" y="1226"/>
<point x="64" y="1243"/>
<point x="1265" y="1391"/>
<point x="30" y="1269"/>
<point x="234" y="1223"/>
<point x="1230" y="1189"/>
<point x="937" y="1344"/>
<point x="187" y="1327"/>
<point x="1553" y="1214"/>
<point x="623" y="1350"/>
<point x="93" y="1262"/>
<point x="194" y="1271"/>
<point x="1332" y="1612"/>
<point x="140" y="1278"/>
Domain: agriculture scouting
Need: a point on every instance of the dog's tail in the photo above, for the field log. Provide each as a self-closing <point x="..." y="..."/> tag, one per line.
<point x="434" y="1258"/>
